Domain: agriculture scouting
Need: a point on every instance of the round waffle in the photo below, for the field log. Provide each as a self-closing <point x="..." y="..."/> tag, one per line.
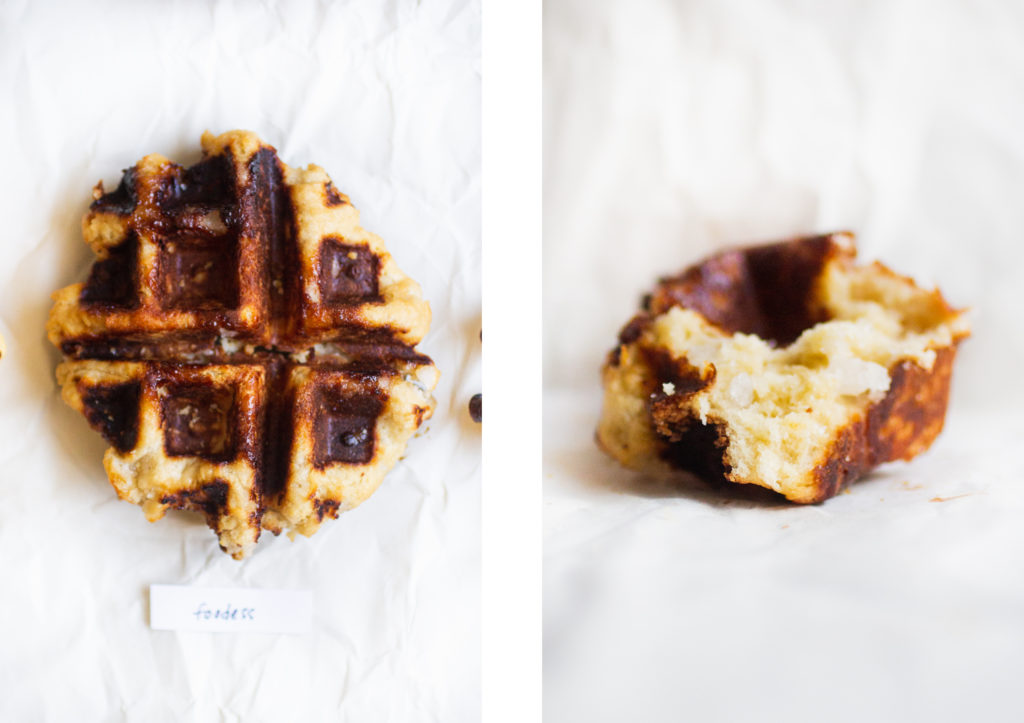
<point x="785" y="366"/>
<point x="245" y="346"/>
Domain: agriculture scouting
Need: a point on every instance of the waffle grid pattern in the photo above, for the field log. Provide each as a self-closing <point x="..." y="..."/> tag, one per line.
<point x="244" y="345"/>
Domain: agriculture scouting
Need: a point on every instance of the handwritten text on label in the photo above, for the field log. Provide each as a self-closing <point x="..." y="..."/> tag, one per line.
<point x="186" y="608"/>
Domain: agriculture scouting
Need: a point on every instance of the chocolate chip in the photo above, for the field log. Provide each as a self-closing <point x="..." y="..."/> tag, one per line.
<point x="476" y="408"/>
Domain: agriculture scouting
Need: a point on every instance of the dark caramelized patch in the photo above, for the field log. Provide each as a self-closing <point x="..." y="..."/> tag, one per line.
<point x="112" y="281"/>
<point x="326" y="508"/>
<point x="122" y="199"/>
<point x="210" y="499"/>
<point x="686" y="379"/>
<point x="267" y="214"/>
<point x="198" y="273"/>
<point x="333" y="197"/>
<point x="784" y="276"/>
<point x="172" y="346"/>
<point x="372" y="351"/>
<point x="721" y="288"/>
<point x="911" y="415"/>
<point x="278" y="431"/>
<point x="699" y="449"/>
<point x="846" y="460"/>
<point x="208" y="184"/>
<point x="113" y="410"/>
<point x="635" y="328"/>
<point x="344" y="430"/>
<point x="764" y="290"/>
<point x="199" y="421"/>
<point x="348" y="273"/>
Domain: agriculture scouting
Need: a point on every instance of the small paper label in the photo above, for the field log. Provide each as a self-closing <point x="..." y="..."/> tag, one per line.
<point x="230" y="610"/>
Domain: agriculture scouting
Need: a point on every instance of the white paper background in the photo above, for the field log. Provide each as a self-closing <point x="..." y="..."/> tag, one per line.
<point x="385" y="96"/>
<point x="676" y="128"/>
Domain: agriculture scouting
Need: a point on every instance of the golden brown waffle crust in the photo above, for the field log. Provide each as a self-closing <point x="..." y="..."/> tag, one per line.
<point x="665" y="408"/>
<point x="247" y="348"/>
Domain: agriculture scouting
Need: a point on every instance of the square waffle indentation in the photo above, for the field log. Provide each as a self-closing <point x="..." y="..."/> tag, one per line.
<point x="345" y="427"/>
<point x="199" y="273"/>
<point x="111" y="281"/>
<point x="113" y="409"/>
<point x="199" y="421"/>
<point x="349" y="273"/>
<point x="208" y="184"/>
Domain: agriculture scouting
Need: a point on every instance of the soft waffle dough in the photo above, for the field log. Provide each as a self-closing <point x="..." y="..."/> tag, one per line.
<point x="245" y="346"/>
<point x="851" y="368"/>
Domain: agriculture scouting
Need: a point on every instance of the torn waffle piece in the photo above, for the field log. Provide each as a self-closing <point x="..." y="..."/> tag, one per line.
<point x="785" y="366"/>
<point x="242" y="343"/>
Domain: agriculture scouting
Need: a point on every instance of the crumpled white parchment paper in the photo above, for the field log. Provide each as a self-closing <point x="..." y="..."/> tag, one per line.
<point x="384" y="96"/>
<point x="673" y="129"/>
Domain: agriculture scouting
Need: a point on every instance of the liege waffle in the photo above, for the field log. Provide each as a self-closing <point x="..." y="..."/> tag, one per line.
<point x="246" y="347"/>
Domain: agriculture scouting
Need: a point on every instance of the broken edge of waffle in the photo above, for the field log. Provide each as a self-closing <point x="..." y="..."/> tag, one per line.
<point x="785" y="366"/>
<point x="242" y="343"/>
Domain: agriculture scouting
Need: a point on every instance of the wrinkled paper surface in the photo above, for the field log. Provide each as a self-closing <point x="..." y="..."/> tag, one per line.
<point x="672" y="130"/>
<point x="384" y="96"/>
